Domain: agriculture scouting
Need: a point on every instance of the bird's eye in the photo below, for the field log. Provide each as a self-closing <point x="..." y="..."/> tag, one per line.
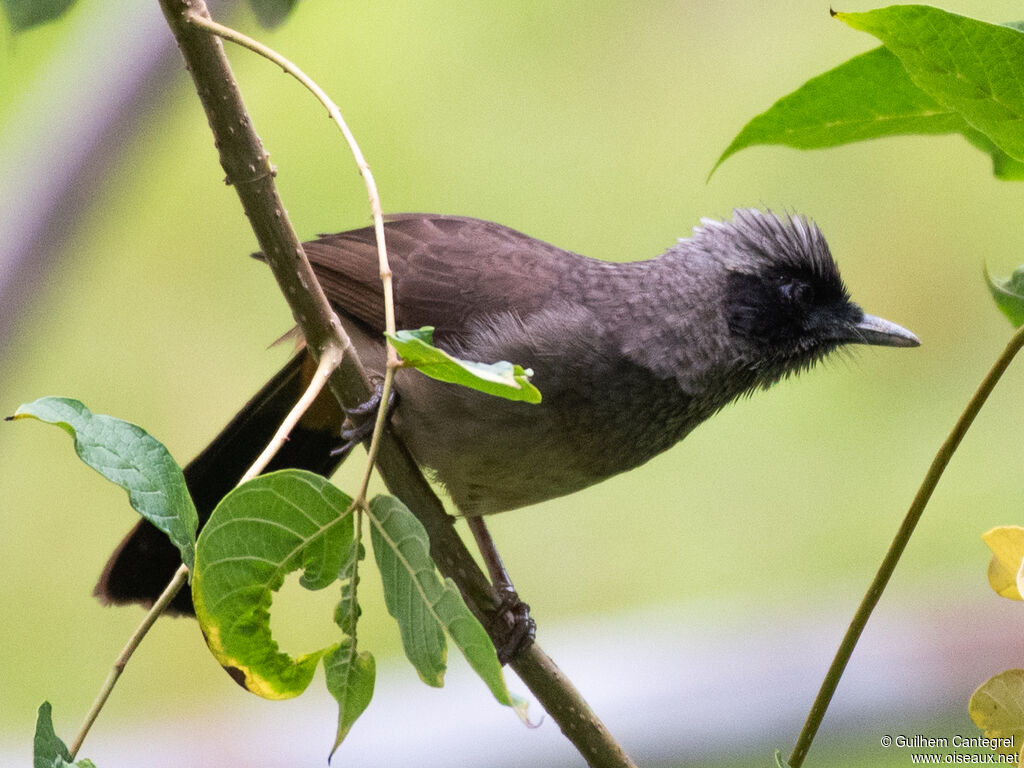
<point x="798" y="292"/>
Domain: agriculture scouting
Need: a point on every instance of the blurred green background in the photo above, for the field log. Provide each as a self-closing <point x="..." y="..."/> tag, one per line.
<point x="593" y="126"/>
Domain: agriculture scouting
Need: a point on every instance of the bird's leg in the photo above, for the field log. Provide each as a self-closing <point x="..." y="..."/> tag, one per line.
<point x="513" y="629"/>
<point x="359" y="421"/>
<point x="519" y="628"/>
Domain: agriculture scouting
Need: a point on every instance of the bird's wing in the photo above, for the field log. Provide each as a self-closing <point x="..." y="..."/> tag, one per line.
<point x="448" y="272"/>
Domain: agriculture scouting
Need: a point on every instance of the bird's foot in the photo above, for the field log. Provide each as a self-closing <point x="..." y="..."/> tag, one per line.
<point x="359" y="421"/>
<point x="512" y="628"/>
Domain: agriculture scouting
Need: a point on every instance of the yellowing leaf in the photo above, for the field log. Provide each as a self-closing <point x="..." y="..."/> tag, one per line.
<point x="258" y="534"/>
<point x="997" y="707"/>
<point x="1004" y="571"/>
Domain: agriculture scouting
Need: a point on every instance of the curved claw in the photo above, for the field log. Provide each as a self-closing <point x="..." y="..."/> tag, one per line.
<point x="519" y="628"/>
<point x="360" y="420"/>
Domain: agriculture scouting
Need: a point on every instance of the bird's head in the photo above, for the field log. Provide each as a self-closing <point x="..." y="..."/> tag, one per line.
<point x="785" y="304"/>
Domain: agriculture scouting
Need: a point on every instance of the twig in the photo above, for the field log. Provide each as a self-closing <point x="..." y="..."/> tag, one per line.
<point x="325" y="367"/>
<point x="245" y="163"/>
<point x="179" y="580"/>
<point x="375" y="208"/>
<point x="899" y="543"/>
<point x="328" y="362"/>
<point x="359" y="503"/>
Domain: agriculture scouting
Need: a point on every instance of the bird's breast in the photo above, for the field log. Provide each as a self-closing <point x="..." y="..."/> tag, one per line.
<point x="493" y="454"/>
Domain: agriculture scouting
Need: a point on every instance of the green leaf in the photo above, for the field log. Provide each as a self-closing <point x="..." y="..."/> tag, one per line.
<point x="411" y="586"/>
<point x="351" y="674"/>
<point x="779" y="762"/>
<point x="502" y="379"/>
<point x="350" y="680"/>
<point x="970" y="66"/>
<point x="1009" y="295"/>
<point x="258" y="534"/>
<point x="997" y="707"/>
<point x="1004" y="167"/>
<point x="271" y="13"/>
<point x="48" y="751"/>
<point x="23" y="14"/>
<point x="47" y="746"/>
<point x="423" y="604"/>
<point x="868" y="97"/>
<point x="127" y="455"/>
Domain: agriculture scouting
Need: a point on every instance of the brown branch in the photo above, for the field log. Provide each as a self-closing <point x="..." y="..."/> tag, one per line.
<point x="248" y="169"/>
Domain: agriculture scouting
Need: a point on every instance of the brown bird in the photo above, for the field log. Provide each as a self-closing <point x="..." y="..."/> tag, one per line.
<point x="629" y="357"/>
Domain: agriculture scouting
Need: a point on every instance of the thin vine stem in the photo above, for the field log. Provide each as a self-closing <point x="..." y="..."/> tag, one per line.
<point x="328" y="362"/>
<point x="899" y="543"/>
<point x="172" y="589"/>
<point x="376" y="210"/>
<point x="246" y="165"/>
<point x="325" y="367"/>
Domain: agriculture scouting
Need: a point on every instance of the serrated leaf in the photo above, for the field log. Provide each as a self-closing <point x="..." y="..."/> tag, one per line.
<point x="258" y="534"/>
<point x="411" y="586"/>
<point x="350" y="680"/>
<point x="472" y="639"/>
<point x="867" y="97"/>
<point x="1009" y="295"/>
<point x="997" y="707"/>
<point x="128" y="456"/>
<point x="351" y="673"/>
<point x="422" y="604"/>
<point x="347" y="612"/>
<point x="502" y="379"/>
<point x="24" y="14"/>
<point x="48" y="750"/>
<point x="1004" y="569"/>
<point x="271" y="13"/>
<point x="970" y="66"/>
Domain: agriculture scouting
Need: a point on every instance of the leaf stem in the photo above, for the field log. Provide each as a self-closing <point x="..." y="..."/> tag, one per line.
<point x="899" y="543"/>
<point x="172" y="589"/>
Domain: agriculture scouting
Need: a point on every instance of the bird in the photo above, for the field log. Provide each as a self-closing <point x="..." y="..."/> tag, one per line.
<point x="629" y="357"/>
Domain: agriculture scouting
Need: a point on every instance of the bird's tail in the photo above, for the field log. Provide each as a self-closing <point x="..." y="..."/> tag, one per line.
<point x="145" y="561"/>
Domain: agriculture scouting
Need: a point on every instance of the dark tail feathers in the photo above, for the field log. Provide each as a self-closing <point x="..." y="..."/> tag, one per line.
<point x="146" y="560"/>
